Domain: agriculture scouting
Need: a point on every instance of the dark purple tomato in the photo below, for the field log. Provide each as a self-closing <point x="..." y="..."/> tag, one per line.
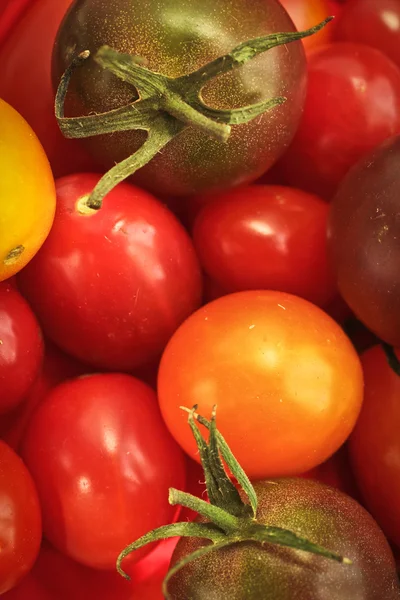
<point x="364" y="234"/>
<point x="372" y="22"/>
<point x="352" y="105"/>
<point x="177" y="37"/>
<point x="21" y="347"/>
<point x="323" y="515"/>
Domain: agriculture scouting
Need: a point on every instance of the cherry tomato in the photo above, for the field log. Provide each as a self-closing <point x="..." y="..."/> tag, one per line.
<point x="266" y="237"/>
<point x="306" y="14"/>
<point x="20" y="520"/>
<point x="175" y="39"/>
<point x="21" y="347"/>
<point x="10" y="13"/>
<point x="103" y="462"/>
<point x="285" y="378"/>
<point x="352" y="105"/>
<point x="364" y="230"/>
<point x="373" y="23"/>
<point x="375" y="443"/>
<point x="27" y="180"/>
<point x="26" y="83"/>
<point x="118" y="281"/>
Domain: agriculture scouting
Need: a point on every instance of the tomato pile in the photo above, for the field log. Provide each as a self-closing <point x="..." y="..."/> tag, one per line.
<point x="223" y="238"/>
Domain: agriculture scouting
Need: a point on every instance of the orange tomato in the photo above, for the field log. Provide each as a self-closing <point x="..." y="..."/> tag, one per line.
<point x="306" y="14"/>
<point x="27" y="193"/>
<point x="287" y="381"/>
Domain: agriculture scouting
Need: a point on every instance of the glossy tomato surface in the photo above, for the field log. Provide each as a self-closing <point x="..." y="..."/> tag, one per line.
<point x="375" y="443"/>
<point x="177" y="37"/>
<point x="266" y="237"/>
<point x="364" y="230"/>
<point x="20" y="519"/>
<point x="306" y="14"/>
<point x="21" y="347"/>
<point x="372" y="23"/>
<point x="26" y="83"/>
<point x="352" y="105"/>
<point x="103" y="462"/>
<point x="118" y="281"/>
<point x="286" y="380"/>
<point x="27" y="192"/>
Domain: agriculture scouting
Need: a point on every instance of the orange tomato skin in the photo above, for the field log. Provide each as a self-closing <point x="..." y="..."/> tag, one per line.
<point x="287" y="381"/>
<point x="27" y="193"/>
<point x="306" y="14"/>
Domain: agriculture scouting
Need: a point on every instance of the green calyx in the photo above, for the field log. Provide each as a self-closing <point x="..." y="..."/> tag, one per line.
<point x="230" y="519"/>
<point x="166" y="106"/>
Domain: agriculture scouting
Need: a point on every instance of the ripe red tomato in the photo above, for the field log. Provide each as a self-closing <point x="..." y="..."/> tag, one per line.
<point x="26" y="83"/>
<point x="306" y="14"/>
<point x="373" y="23"/>
<point x="375" y="442"/>
<point x="352" y="105"/>
<point x="118" y="281"/>
<point x="20" y="520"/>
<point x="103" y="462"/>
<point x="266" y="237"/>
<point x="21" y="347"/>
<point x="286" y="380"/>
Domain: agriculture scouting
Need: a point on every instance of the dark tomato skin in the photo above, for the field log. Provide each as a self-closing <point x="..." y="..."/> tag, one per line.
<point x="118" y="281"/>
<point x="103" y="462"/>
<point x="266" y="237"/>
<point x="20" y="519"/>
<point x="177" y="37"/>
<point x="318" y="512"/>
<point x="56" y="368"/>
<point x="21" y="347"/>
<point x="26" y="83"/>
<point x="372" y="23"/>
<point x="352" y="105"/>
<point x="375" y="443"/>
<point x="363" y="230"/>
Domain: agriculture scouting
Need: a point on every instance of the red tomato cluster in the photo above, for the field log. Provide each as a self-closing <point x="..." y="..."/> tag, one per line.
<point x="246" y="298"/>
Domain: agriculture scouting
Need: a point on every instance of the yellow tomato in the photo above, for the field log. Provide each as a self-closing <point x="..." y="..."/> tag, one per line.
<point x="27" y="192"/>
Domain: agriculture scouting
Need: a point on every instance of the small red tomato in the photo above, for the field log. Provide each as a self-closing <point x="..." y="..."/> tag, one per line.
<point x="21" y="347"/>
<point x="118" y="281"/>
<point x="20" y="520"/>
<point x="103" y="462"/>
<point x="352" y="105"/>
<point x="375" y="442"/>
<point x="263" y="237"/>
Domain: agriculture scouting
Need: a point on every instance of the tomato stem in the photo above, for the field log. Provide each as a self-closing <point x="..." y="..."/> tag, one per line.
<point x="165" y="105"/>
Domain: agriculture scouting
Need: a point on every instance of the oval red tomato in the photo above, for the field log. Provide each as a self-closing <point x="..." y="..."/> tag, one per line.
<point x="286" y="379"/>
<point x="103" y="462"/>
<point x="118" y="281"/>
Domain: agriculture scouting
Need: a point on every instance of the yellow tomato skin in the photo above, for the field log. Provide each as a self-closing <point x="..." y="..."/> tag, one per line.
<point x="27" y="192"/>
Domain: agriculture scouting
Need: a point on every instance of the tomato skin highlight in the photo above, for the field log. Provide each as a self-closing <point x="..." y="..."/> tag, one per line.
<point x="265" y="237"/>
<point x="323" y="515"/>
<point x="176" y="38"/>
<point x="286" y="380"/>
<point x="118" y="281"/>
<point x="352" y="105"/>
<point x="27" y="180"/>
<point x="375" y="445"/>
<point x="103" y="462"/>
<point x="21" y="347"/>
<point x="20" y="519"/>
<point x="306" y="14"/>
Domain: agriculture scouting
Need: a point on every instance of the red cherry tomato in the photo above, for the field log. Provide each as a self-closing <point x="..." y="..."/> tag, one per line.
<point x="352" y="105"/>
<point x="103" y="462"/>
<point x="266" y="237"/>
<point x="118" y="281"/>
<point x="25" y="83"/>
<point x="57" y="367"/>
<point x="285" y="378"/>
<point x="306" y="14"/>
<point x="375" y="443"/>
<point x="21" y="347"/>
<point x="20" y="520"/>
<point x="371" y="22"/>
